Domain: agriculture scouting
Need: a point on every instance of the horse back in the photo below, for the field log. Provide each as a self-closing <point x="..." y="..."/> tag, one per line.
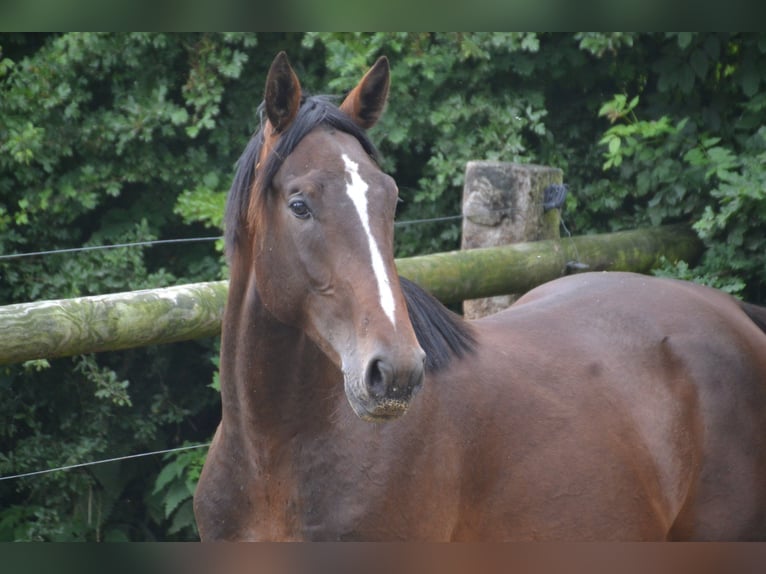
<point x="652" y="389"/>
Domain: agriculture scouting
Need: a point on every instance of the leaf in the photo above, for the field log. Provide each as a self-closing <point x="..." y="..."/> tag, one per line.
<point x="695" y="156"/>
<point x="710" y="141"/>
<point x="170" y="472"/>
<point x="37" y="365"/>
<point x="614" y="145"/>
<point x="175" y="495"/>
<point x="750" y="82"/>
<point x="184" y="518"/>
<point x="699" y="63"/>
<point x="179" y="116"/>
<point x="684" y="39"/>
<point x="712" y="47"/>
<point x="685" y="78"/>
<point x="530" y="43"/>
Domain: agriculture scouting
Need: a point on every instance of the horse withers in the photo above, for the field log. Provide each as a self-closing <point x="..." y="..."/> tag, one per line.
<point x="601" y="406"/>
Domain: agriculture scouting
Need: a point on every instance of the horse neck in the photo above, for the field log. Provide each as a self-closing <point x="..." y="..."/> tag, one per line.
<point x="274" y="380"/>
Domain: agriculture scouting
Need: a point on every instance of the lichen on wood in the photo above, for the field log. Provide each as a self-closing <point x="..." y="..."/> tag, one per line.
<point x="517" y="268"/>
<point x="49" y="329"/>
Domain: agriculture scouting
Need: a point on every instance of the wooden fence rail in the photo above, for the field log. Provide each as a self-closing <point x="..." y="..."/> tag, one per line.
<point x="50" y="329"/>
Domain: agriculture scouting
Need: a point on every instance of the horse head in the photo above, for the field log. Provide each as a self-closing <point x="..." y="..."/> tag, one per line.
<point x="320" y="227"/>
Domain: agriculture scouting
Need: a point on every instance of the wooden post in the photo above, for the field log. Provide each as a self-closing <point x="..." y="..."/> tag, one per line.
<point x="503" y="204"/>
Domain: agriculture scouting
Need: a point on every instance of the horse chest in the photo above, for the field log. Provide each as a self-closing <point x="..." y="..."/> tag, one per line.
<point x="312" y="499"/>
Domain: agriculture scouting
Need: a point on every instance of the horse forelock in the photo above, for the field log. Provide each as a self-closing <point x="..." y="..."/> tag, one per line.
<point x="257" y="166"/>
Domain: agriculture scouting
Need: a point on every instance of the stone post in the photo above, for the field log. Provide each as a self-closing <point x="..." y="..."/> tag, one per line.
<point x="502" y="204"/>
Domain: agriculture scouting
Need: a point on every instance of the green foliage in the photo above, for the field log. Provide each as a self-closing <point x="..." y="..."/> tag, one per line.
<point x="105" y="380"/>
<point x="174" y="488"/>
<point x="645" y="153"/>
<point x="600" y="44"/>
<point x="702" y="158"/>
<point x="118" y="138"/>
<point x="204" y="203"/>
<point x="458" y="109"/>
<point x="732" y="223"/>
<point x="101" y="134"/>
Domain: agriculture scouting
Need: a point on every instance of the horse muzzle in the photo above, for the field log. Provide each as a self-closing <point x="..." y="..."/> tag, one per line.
<point x="384" y="388"/>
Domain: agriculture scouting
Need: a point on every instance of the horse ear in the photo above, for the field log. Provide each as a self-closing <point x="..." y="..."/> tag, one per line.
<point x="283" y="93"/>
<point x="366" y="101"/>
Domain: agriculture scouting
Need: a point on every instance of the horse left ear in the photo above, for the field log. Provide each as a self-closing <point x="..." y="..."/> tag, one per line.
<point x="283" y="93"/>
<point x="366" y="101"/>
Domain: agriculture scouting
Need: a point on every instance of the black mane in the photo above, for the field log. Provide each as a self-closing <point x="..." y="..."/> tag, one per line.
<point x="442" y="334"/>
<point x="314" y="111"/>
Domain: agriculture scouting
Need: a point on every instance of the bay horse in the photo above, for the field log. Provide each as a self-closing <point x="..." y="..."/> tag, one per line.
<point x="600" y="406"/>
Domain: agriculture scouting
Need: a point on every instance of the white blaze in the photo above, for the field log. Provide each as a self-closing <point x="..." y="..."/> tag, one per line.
<point x="356" y="189"/>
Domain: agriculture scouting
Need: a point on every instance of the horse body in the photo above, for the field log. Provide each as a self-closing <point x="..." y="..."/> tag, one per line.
<point x="602" y="406"/>
<point x="656" y="390"/>
<point x="602" y="446"/>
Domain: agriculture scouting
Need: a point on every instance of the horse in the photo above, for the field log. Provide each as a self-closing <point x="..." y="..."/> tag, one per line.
<point x="600" y="406"/>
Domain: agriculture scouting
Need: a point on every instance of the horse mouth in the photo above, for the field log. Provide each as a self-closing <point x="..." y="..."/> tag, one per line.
<point x="383" y="411"/>
<point x="373" y="409"/>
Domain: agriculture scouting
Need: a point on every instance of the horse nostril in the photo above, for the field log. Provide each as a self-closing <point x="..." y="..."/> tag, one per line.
<point x="378" y="377"/>
<point x="385" y="383"/>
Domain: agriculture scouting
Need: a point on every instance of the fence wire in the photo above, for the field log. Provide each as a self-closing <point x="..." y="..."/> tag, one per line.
<point x="95" y="462"/>
<point x="153" y="243"/>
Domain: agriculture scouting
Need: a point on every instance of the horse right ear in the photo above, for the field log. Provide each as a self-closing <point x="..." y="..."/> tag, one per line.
<point x="366" y="101"/>
<point x="283" y="93"/>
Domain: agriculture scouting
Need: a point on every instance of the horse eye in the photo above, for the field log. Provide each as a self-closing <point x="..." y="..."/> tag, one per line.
<point x="300" y="209"/>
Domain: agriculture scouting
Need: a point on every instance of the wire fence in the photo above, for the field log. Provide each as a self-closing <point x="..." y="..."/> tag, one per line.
<point x="152" y="243"/>
<point x="111" y="246"/>
<point x="104" y="461"/>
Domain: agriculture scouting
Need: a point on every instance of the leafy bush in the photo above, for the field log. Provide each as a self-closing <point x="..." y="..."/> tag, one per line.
<point x="701" y="160"/>
<point x="101" y="134"/>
